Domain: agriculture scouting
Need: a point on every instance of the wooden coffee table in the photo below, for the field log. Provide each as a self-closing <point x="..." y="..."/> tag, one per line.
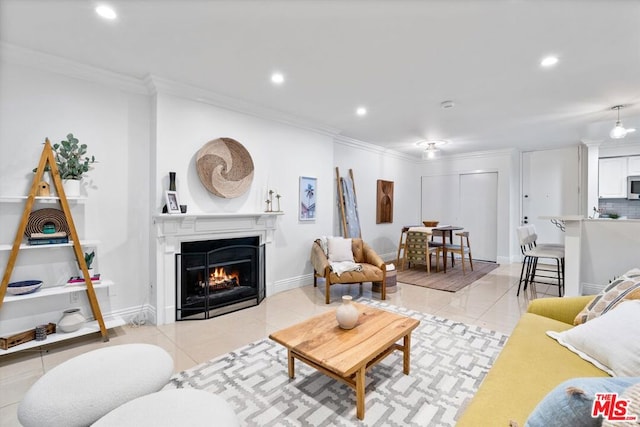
<point x="345" y="355"/>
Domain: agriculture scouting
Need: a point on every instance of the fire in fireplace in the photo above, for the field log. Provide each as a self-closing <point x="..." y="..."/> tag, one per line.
<point x="215" y="277"/>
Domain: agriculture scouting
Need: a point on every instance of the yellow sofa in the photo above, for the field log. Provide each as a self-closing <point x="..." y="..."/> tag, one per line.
<point x="530" y="366"/>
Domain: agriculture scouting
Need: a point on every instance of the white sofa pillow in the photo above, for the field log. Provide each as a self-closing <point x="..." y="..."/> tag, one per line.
<point x="340" y="249"/>
<point x="611" y="342"/>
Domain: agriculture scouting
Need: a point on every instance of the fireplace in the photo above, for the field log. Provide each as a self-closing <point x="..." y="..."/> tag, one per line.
<point x="215" y="277"/>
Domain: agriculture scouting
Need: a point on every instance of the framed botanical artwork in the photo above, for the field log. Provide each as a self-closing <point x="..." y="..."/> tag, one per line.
<point x="173" y="204"/>
<point x="308" y="195"/>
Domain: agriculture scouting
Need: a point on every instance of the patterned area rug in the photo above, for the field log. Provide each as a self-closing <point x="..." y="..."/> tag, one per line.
<point x="449" y="360"/>
<point x="453" y="281"/>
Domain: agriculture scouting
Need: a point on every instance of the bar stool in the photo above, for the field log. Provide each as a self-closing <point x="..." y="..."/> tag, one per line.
<point x="531" y="273"/>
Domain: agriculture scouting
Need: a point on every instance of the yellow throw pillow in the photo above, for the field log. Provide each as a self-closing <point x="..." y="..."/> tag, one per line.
<point x="625" y="287"/>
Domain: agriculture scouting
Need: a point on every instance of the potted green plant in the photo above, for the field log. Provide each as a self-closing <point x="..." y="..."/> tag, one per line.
<point x="88" y="259"/>
<point x="73" y="162"/>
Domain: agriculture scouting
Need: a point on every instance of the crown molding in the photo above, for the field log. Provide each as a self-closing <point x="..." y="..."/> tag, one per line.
<point x="373" y="148"/>
<point x="13" y="54"/>
<point x="159" y="85"/>
<point x="475" y="154"/>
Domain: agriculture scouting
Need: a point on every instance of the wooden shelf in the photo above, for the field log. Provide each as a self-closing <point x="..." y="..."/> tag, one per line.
<point x="56" y="290"/>
<point x="90" y="328"/>
<point x="83" y="243"/>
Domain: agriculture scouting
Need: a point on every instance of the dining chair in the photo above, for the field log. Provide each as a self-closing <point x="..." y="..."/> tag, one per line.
<point x="418" y="249"/>
<point x="464" y="248"/>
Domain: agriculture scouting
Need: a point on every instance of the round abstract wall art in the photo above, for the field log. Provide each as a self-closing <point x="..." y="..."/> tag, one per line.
<point x="225" y="167"/>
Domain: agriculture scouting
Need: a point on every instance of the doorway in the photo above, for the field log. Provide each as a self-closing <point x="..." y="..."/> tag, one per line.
<point x="550" y="186"/>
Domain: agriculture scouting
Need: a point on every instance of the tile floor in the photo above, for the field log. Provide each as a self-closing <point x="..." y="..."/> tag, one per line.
<point x="490" y="302"/>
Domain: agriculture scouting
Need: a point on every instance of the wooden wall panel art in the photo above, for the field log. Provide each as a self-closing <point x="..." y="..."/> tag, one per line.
<point x="384" y="202"/>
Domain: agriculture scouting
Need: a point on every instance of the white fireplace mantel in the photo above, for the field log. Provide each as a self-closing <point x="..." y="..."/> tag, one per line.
<point x="173" y="229"/>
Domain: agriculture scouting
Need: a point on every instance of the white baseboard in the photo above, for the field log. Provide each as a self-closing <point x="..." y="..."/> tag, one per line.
<point x="291" y="283"/>
<point x="592" y="288"/>
<point x="140" y="314"/>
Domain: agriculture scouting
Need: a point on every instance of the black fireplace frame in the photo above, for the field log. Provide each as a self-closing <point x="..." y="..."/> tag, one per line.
<point x="215" y="258"/>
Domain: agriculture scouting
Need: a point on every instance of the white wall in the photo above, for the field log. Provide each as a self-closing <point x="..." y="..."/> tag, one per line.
<point x="281" y="153"/>
<point x="369" y="164"/>
<point x="609" y="249"/>
<point x="35" y="104"/>
<point x="506" y="164"/>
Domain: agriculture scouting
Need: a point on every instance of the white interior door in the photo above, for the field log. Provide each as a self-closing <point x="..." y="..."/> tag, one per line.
<point x="550" y="186"/>
<point x="468" y="200"/>
<point x="479" y="213"/>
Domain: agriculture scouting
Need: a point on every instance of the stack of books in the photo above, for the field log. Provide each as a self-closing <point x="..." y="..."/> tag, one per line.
<point x="48" y="238"/>
<point x="77" y="280"/>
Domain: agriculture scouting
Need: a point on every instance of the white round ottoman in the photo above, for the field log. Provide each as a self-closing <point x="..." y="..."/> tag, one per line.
<point x="83" y="389"/>
<point x="170" y="408"/>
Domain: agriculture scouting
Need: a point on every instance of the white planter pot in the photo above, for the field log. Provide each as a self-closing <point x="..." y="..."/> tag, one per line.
<point x="71" y="187"/>
<point x="72" y="320"/>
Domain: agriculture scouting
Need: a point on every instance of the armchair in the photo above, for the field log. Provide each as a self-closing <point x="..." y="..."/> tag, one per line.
<point x="373" y="267"/>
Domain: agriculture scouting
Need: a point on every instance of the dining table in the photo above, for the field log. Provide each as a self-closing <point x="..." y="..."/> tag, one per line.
<point x="446" y="230"/>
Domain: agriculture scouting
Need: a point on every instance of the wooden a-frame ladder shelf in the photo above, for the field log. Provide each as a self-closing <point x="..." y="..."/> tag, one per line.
<point x="47" y="158"/>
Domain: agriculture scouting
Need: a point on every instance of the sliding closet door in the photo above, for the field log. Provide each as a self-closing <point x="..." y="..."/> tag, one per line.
<point x="468" y="200"/>
<point x="479" y="213"/>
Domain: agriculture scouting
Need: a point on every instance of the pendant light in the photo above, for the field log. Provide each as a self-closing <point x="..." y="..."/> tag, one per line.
<point x="618" y="131"/>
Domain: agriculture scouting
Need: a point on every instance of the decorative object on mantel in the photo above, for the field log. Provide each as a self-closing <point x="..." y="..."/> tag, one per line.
<point x="172" y="187"/>
<point x="173" y="205"/>
<point x="225" y="167"/>
<point x="308" y="197"/>
<point x="269" y="201"/>
<point x="71" y="320"/>
<point x="72" y="163"/>
<point x="384" y="205"/>
<point x="172" y="181"/>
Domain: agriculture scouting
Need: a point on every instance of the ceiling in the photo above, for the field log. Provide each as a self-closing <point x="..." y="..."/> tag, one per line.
<point x="400" y="59"/>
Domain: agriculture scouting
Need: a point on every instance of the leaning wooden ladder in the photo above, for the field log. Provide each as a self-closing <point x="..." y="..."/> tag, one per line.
<point x="47" y="157"/>
<point x="348" y="205"/>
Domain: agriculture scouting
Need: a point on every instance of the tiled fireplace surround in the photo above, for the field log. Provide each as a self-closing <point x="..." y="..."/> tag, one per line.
<point x="172" y="230"/>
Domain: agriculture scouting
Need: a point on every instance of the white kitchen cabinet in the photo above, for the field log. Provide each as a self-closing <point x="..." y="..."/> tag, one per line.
<point x="612" y="178"/>
<point x="633" y="165"/>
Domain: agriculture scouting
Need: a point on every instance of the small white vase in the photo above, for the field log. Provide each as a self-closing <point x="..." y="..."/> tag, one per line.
<point x="71" y="187"/>
<point x="71" y="320"/>
<point x="347" y="314"/>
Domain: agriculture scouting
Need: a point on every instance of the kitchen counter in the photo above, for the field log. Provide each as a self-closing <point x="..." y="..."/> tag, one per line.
<point x="597" y="250"/>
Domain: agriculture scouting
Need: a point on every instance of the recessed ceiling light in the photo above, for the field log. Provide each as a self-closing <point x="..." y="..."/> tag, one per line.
<point x="106" y="12"/>
<point x="277" y="78"/>
<point x="549" y="61"/>
<point x="361" y="111"/>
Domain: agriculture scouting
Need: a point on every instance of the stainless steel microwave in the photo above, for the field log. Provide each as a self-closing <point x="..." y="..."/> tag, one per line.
<point x="633" y="187"/>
